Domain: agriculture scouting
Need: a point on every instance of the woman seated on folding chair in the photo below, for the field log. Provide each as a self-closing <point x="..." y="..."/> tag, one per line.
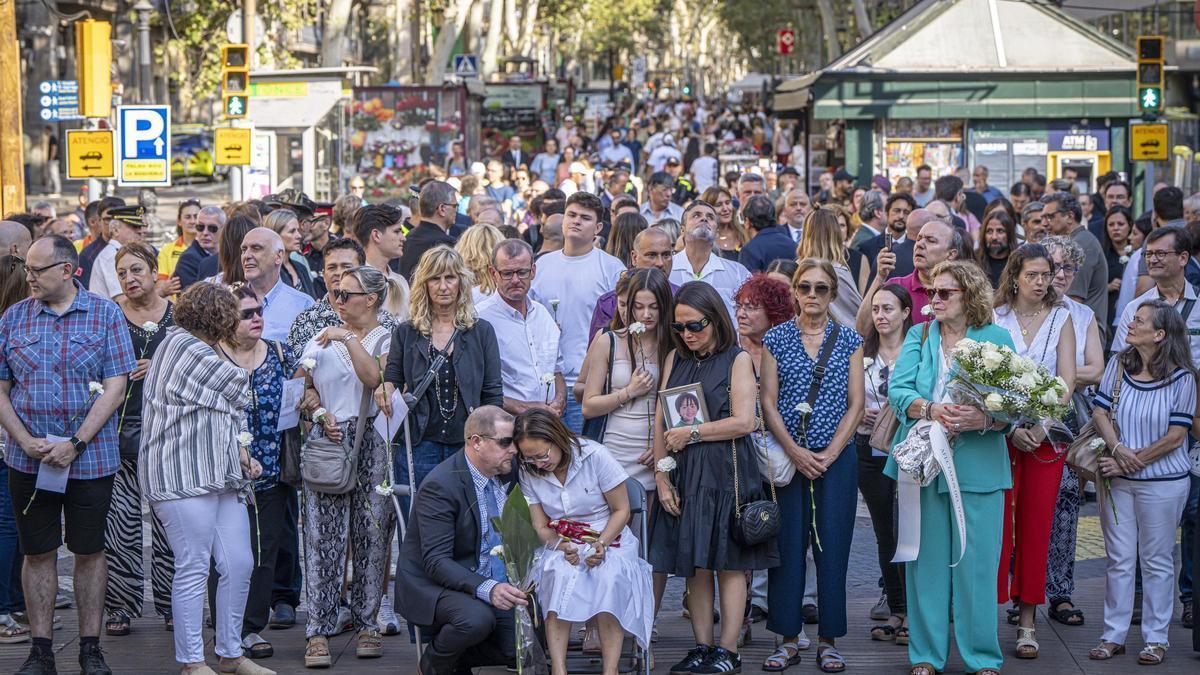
<point x="574" y="486"/>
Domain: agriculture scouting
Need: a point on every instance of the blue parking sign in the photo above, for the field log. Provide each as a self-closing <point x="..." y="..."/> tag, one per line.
<point x="144" y="145"/>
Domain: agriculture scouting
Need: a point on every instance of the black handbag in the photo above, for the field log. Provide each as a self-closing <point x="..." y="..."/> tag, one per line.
<point x="594" y="427"/>
<point x="290" y="442"/>
<point x="129" y="437"/>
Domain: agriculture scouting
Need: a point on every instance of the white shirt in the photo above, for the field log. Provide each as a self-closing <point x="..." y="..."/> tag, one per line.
<point x="795" y="233"/>
<point x="1192" y="320"/>
<point x="727" y="276"/>
<point x="334" y="377"/>
<point x="592" y="472"/>
<point x="704" y="173"/>
<point x="673" y="211"/>
<point x="1128" y="285"/>
<point x="1043" y="348"/>
<point x="1081" y="318"/>
<point x="103" y="281"/>
<point x="574" y="284"/>
<point x="529" y="349"/>
<point x="658" y="158"/>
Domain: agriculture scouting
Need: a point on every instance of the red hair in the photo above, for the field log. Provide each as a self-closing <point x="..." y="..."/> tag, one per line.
<point x="772" y="294"/>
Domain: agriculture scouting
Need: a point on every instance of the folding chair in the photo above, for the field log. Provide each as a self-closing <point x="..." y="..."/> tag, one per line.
<point x="634" y="659"/>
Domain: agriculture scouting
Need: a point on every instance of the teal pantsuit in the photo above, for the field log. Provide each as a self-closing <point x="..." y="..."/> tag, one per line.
<point x="981" y="462"/>
<point x="974" y="603"/>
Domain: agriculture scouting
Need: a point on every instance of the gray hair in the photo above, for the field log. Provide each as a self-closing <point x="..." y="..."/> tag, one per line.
<point x="1031" y="208"/>
<point x="434" y="194"/>
<point x="43" y="204"/>
<point x="750" y="177"/>
<point x="214" y="212"/>
<point x="1192" y="202"/>
<point x="1071" y="251"/>
<point x="871" y="202"/>
<point x="513" y="248"/>
<point x="670" y="226"/>
<point x="391" y="293"/>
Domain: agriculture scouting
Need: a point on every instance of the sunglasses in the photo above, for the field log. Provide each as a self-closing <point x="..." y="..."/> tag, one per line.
<point x="208" y="228"/>
<point x="691" y="326"/>
<point x="885" y="374"/>
<point x="506" y="441"/>
<point x="944" y="293"/>
<point x="251" y="312"/>
<point x="805" y="288"/>
<point x="190" y="202"/>
<point x="344" y="296"/>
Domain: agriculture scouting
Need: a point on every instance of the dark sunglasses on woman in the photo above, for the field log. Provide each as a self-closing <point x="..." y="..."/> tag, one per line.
<point x="806" y="288"/>
<point x="690" y="326"/>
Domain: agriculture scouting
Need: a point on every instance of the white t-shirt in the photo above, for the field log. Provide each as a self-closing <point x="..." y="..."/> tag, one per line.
<point x="569" y="287"/>
<point x="334" y="377"/>
<point x="103" y="281"/>
<point x="658" y="158"/>
<point x="1192" y="320"/>
<point x="529" y="349"/>
<point x="704" y="173"/>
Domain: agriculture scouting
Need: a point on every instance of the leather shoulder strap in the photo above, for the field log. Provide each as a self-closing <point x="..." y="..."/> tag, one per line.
<point x="818" y="377"/>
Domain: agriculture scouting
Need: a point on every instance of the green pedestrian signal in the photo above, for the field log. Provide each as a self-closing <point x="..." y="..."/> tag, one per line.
<point x="235" y="106"/>
<point x="1150" y="99"/>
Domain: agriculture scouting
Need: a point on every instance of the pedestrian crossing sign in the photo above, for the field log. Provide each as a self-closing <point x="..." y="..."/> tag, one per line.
<point x="466" y="65"/>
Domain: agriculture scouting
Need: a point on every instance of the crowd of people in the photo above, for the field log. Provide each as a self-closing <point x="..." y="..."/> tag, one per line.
<point x="727" y="346"/>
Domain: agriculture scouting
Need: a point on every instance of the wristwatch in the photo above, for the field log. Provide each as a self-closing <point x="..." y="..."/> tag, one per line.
<point x="78" y="445"/>
<point x="695" y="435"/>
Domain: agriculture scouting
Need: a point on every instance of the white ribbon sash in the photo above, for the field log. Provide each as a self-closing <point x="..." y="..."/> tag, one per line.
<point x="908" y="543"/>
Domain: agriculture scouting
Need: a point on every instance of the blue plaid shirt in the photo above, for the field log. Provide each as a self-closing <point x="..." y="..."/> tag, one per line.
<point x="484" y="591"/>
<point x="50" y="359"/>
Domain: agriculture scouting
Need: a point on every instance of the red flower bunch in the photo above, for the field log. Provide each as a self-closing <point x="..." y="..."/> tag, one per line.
<point x="579" y="533"/>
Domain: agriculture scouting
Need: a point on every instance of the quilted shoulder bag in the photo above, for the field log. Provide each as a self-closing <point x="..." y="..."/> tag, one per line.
<point x="1082" y="456"/>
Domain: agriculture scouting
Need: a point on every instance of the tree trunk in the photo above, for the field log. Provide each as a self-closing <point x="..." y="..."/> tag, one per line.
<point x="489" y="60"/>
<point x="833" y="49"/>
<point x="452" y="24"/>
<point x="512" y="23"/>
<point x="862" y="19"/>
<point x="529" y="14"/>
<point x="333" y="41"/>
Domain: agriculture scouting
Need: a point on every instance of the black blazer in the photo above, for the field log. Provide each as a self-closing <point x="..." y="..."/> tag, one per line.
<point x="441" y="550"/>
<point x="420" y="239"/>
<point x="187" y="268"/>
<point x="476" y="361"/>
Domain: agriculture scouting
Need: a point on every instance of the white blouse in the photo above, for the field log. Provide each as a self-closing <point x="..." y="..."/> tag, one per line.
<point x="1043" y="348"/>
<point x="334" y="377"/>
<point x="593" y="472"/>
<point x="1081" y="318"/>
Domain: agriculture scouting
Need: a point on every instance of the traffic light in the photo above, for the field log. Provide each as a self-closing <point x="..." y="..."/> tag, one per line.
<point x="235" y="80"/>
<point x="1150" y="83"/>
<point x="93" y="57"/>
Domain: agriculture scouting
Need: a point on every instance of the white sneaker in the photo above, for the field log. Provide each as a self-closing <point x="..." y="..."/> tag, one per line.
<point x="386" y="618"/>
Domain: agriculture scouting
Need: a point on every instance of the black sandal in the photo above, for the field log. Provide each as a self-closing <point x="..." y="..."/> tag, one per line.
<point x="117" y="624"/>
<point x="884" y="632"/>
<point x="1014" y="616"/>
<point x="1067" y="617"/>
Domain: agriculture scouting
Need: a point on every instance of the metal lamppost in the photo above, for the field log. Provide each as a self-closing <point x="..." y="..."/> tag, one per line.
<point x="143" y="8"/>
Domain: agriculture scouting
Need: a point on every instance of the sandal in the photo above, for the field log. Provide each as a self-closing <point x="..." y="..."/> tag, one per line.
<point x="370" y="645"/>
<point x="12" y="631"/>
<point x="117" y="624"/>
<point x="1027" y="644"/>
<point x="1105" y="651"/>
<point x="922" y="669"/>
<point x="169" y="624"/>
<point x="786" y="655"/>
<point x="1152" y="654"/>
<point x="1067" y="617"/>
<point x="884" y="632"/>
<point x="829" y="660"/>
<point x="316" y="654"/>
<point x="902" y="635"/>
<point x="1014" y="616"/>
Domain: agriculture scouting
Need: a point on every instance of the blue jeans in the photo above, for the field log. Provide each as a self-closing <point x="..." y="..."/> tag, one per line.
<point x="1190" y="521"/>
<point x="426" y="456"/>
<point x="573" y="415"/>
<point x="12" y="598"/>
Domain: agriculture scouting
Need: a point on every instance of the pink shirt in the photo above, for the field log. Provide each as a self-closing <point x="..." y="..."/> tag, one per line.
<point x="920" y="297"/>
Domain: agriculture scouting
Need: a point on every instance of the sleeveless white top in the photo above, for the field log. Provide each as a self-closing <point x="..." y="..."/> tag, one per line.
<point x="1081" y="318"/>
<point x="1043" y="348"/>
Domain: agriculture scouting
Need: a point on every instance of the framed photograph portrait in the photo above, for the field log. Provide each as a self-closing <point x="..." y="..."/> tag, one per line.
<point x="683" y="407"/>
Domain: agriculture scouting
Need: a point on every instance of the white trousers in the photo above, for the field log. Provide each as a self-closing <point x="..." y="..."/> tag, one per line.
<point x="202" y="529"/>
<point x="1147" y="514"/>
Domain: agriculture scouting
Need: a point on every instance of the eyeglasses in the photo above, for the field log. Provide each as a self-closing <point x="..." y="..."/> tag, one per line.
<point x="208" y="228"/>
<point x="506" y="441"/>
<point x="1068" y="269"/>
<point x="344" y="296"/>
<point x="251" y="312"/>
<point x="1158" y="254"/>
<point x="37" y="271"/>
<point x="534" y="461"/>
<point x="521" y="274"/>
<point x="805" y="288"/>
<point x="944" y="293"/>
<point x="1032" y="277"/>
<point x="691" y="326"/>
<point x="747" y="308"/>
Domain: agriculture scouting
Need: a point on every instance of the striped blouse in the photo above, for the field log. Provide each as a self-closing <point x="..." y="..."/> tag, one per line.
<point x="193" y="408"/>
<point x="1146" y="411"/>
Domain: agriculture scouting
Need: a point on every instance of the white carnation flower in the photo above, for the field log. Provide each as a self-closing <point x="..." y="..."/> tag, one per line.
<point x="637" y="328"/>
<point x="245" y="438"/>
<point x="497" y="551"/>
<point x="868" y="362"/>
<point x="967" y="344"/>
<point x="383" y="490"/>
<point x="1128" y="249"/>
<point x="992" y="359"/>
<point x="803" y="408"/>
<point x="1097" y="443"/>
<point x="1123" y="259"/>
<point x="95" y="388"/>
<point x="1049" y="397"/>
<point x="994" y="402"/>
<point x="150" y="327"/>
<point x="308" y="364"/>
<point x="1027" y="381"/>
<point x="547" y="378"/>
<point x="666" y="464"/>
<point x="927" y="310"/>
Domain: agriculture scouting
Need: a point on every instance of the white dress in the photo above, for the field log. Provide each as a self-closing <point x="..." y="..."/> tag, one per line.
<point x="1043" y="348"/>
<point x="621" y="585"/>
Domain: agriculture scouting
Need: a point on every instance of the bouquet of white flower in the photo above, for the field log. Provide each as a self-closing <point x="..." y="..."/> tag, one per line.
<point x="1009" y="387"/>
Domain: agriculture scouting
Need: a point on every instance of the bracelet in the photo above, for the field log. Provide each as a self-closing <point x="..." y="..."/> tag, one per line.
<point x="926" y="409"/>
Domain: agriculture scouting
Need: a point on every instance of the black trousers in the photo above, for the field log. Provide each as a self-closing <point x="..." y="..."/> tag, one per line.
<point x="879" y="492"/>
<point x="288" y="575"/>
<point x="468" y="633"/>
<point x="265" y="535"/>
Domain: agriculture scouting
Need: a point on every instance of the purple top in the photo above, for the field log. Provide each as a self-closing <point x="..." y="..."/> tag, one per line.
<point x="606" y="307"/>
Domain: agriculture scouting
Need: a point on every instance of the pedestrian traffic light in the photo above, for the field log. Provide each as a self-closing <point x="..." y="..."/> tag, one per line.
<point x="1150" y="83"/>
<point x="235" y="80"/>
<point x="93" y="59"/>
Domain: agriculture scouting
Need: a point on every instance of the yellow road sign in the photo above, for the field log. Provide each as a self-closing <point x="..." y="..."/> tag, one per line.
<point x="233" y="146"/>
<point x="1148" y="142"/>
<point x="90" y="154"/>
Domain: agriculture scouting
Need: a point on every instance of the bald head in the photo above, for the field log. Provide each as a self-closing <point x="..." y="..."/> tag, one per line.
<point x="262" y="256"/>
<point x="14" y="238"/>
<point x="553" y="226"/>
<point x="916" y="220"/>
<point x="652" y="247"/>
<point x="939" y="209"/>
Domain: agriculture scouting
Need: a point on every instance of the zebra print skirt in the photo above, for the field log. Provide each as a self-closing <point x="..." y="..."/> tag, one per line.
<point x="123" y="546"/>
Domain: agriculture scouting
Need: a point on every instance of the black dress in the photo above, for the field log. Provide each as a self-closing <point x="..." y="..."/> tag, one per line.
<point x="701" y="536"/>
<point x="130" y="413"/>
